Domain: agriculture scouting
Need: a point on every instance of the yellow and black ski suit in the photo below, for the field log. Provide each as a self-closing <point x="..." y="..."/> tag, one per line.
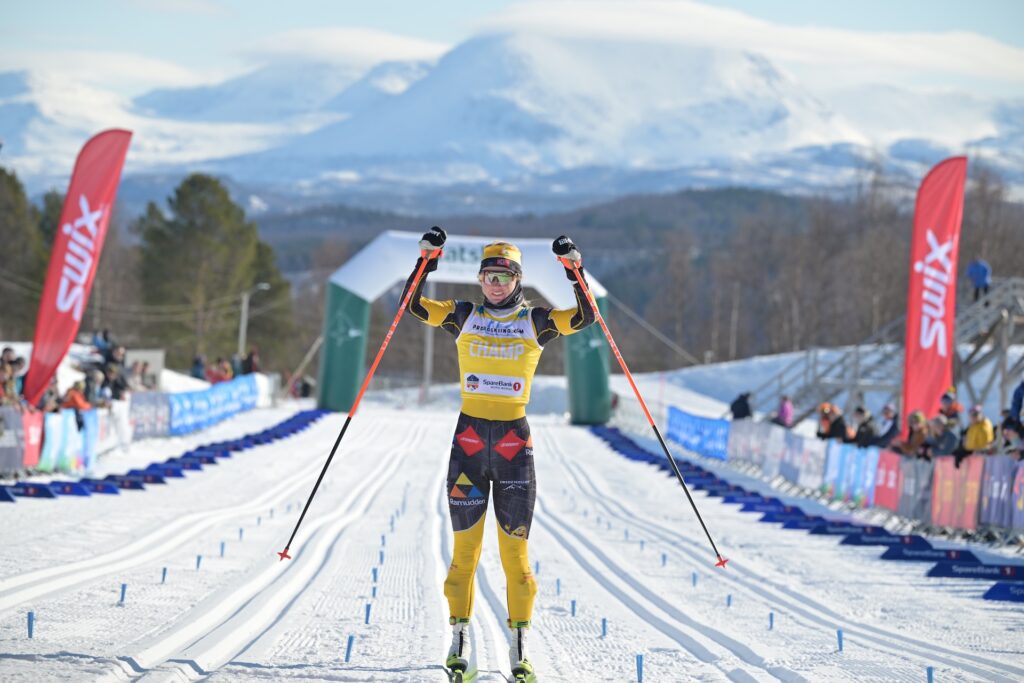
<point x="492" y="450"/>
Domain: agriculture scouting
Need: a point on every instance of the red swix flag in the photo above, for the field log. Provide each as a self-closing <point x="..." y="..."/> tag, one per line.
<point x="76" y="251"/>
<point x="931" y="298"/>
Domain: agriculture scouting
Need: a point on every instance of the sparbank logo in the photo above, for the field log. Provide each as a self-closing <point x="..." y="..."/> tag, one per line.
<point x="936" y="271"/>
<point x="472" y="383"/>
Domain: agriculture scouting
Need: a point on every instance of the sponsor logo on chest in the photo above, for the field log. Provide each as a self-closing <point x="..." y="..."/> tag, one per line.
<point x="497" y="385"/>
<point x="513" y="329"/>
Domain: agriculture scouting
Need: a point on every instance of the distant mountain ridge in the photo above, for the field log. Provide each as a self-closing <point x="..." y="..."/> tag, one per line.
<point x="506" y="123"/>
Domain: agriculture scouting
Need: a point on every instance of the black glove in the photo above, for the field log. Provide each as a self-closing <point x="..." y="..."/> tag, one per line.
<point x="431" y="265"/>
<point x="564" y="248"/>
<point x="433" y="239"/>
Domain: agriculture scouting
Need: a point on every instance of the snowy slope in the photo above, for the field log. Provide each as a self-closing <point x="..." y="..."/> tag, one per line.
<point x="248" y="617"/>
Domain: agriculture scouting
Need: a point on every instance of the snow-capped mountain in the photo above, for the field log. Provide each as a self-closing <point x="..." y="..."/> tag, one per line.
<point x="510" y="121"/>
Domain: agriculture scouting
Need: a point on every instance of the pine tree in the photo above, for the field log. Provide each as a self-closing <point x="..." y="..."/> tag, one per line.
<point x="23" y="261"/>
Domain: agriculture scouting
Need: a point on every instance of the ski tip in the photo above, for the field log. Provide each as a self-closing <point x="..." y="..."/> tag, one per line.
<point x="284" y="555"/>
<point x="721" y="562"/>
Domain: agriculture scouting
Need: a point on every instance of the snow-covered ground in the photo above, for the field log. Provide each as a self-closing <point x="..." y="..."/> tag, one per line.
<point x="602" y="526"/>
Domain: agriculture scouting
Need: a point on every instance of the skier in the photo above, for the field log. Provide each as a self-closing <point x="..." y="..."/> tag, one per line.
<point x="499" y="343"/>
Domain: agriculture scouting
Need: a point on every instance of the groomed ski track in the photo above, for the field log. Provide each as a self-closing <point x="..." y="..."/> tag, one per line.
<point x="601" y="528"/>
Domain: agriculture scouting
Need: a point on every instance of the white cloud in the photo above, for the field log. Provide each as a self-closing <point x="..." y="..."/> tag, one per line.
<point x="821" y="57"/>
<point x="354" y="46"/>
<point x="125" y="73"/>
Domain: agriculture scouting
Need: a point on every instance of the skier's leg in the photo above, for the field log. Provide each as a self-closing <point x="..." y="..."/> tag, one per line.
<point x="468" y="488"/>
<point x="515" y="492"/>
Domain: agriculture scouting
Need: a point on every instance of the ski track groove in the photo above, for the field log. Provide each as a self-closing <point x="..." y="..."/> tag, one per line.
<point x="809" y="609"/>
<point x="270" y="594"/>
<point x="46" y="582"/>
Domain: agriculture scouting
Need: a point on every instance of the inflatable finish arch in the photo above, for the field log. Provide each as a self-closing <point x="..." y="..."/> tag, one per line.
<point x="388" y="259"/>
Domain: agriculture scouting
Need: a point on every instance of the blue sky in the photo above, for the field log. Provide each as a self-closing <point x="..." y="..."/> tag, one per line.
<point x="175" y="42"/>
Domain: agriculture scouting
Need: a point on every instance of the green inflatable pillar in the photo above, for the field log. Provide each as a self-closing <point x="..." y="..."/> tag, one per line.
<point x="586" y="367"/>
<point x="343" y="356"/>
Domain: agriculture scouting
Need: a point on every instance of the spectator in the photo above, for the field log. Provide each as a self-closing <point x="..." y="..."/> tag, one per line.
<point x="50" y="400"/>
<point x="220" y="371"/>
<point x="866" y="433"/>
<point x="1011" y="443"/>
<point x="831" y="424"/>
<point x="94" y="380"/>
<point x="7" y="356"/>
<point x="251" y="363"/>
<point x="236" y="365"/>
<point x="916" y="443"/>
<point x="18" y="369"/>
<point x="117" y="358"/>
<point x="101" y="340"/>
<point x="135" y="376"/>
<point x="980" y="274"/>
<point x="75" y="398"/>
<point x="116" y="382"/>
<point x="980" y="434"/>
<point x="740" y="408"/>
<point x="8" y="387"/>
<point x="227" y="369"/>
<point x="941" y="439"/>
<point x="784" y="413"/>
<point x="889" y="428"/>
<point x="1017" y="402"/>
<point x="198" y="367"/>
<point x="950" y="407"/>
<point x="148" y="380"/>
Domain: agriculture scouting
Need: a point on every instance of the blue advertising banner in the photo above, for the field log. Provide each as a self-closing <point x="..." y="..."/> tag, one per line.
<point x="53" y="442"/>
<point x="192" y="410"/>
<point x="993" y="572"/>
<point x="996" y="491"/>
<point x="1005" y="591"/>
<point x="90" y="437"/>
<point x="1018" y="497"/>
<point x="70" y="457"/>
<point x="835" y="468"/>
<point x="702" y="435"/>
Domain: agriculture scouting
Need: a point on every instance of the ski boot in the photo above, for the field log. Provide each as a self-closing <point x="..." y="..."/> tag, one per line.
<point x="522" y="668"/>
<point x="461" y="663"/>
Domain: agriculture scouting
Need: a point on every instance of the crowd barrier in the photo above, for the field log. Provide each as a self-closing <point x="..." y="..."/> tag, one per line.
<point x="71" y="441"/>
<point x="983" y="490"/>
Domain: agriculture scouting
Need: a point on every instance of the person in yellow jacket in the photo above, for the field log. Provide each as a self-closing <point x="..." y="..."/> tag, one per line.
<point x="980" y="434"/>
<point x="499" y="342"/>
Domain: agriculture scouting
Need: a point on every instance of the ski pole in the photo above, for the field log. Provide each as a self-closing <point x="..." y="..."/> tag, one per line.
<point x="436" y="253"/>
<point x="615" y="349"/>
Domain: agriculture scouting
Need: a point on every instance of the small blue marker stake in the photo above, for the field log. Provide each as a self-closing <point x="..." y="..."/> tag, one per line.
<point x="271" y="513"/>
<point x="348" y="648"/>
<point x="381" y="557"/>
<point x="536" y="567"/>
<point x="374" y="593"/>
<point x="839" y="637"/>
<point x="199" y="560"/>
<point x="609" y="526"/>
<point x="931" y="674"/>
<point x="574" y="608"/>
<point x="728" y="600"/>
<point x="625" y="534"/>
<point x="392" y="522"/>
<point x="31" y="623"/>
<point x="222" y="548"/>
<point x="383" y="540"/>
<point x="374" y="573"/>
<point x="604" y="627"/>
<point x="641" y="544"/>
<point x="241" y="532"/>
<point x="124" y="589"/>
<point x="598" y="520"/>
<point x="771" y="620"/>
<point x="640" y="668"/>
<point x="163" y="576"/>
<point x="558" y="587"/>
<point x="259" y="521"/>
<point x="695" y="579"/>
<point x="368" y="606"/>
<point x="288" y="508"/>
<point x="664" y="559"/>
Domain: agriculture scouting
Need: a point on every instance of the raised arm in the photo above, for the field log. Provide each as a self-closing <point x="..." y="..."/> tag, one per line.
<point x="553" y="323"/>
<point x="448" y="314"/>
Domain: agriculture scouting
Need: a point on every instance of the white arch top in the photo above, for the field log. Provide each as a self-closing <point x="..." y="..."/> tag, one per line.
<point x="391" y="256"/>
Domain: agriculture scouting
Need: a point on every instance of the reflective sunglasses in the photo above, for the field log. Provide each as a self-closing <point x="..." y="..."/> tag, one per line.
<point x="494" y="277"/>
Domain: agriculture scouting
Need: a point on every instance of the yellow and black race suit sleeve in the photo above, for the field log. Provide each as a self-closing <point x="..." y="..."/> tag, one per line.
<point x="552" y="323"/>
<point x="449" y="315"/>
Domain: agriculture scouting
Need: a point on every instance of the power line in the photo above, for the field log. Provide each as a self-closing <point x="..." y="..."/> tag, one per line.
<point x="690" y="358"/>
